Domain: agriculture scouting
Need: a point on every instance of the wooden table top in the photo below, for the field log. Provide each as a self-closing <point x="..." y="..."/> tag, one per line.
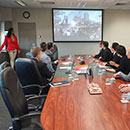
<point x="73" y="108"/>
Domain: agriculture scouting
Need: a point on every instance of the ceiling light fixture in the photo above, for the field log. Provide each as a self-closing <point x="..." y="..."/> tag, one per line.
<point x="21" y="3"/>
<point x="78" y="5"/>
<point x="84" y="5"/>
<point x="121" y="4"/>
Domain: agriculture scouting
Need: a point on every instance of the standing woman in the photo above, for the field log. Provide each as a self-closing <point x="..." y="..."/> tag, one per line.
<point x="12" y="46"/>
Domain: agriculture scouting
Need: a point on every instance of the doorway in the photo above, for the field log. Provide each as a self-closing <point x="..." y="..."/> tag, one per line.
<point x="27" y="37"/>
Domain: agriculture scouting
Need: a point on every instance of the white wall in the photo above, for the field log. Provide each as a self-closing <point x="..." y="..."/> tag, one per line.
<point x="43" y="20"/>
<point x="116" y="28"/>
<point x="5" y="14"/>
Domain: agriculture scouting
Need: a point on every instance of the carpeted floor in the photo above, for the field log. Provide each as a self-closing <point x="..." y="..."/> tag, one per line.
<point x="5" y="120"/>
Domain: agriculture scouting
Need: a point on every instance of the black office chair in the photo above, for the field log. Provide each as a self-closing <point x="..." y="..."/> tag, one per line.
<point x="4" y="65"/>
<point x="30" y="96"/>
<point x="16" y="103"/>
<point x="28" y="74"/>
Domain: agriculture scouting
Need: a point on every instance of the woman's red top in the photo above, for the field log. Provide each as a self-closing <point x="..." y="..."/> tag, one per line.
<point x="11" y="44"/>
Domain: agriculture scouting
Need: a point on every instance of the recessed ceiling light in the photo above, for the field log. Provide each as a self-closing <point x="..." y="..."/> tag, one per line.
<point x="78" y="5"/>
<point x="121" y="3"/>
<point x="84" y="5"/>
<point x="21" y="3"/>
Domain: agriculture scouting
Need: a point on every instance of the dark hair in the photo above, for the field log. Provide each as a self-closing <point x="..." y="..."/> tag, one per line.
<point x="10" y="32"/>
<point x="49" y="45"/>
<point x="35" y="51"/>
<point x="101" y="42"/>
<point x="43" y="46"/>
<point x="121" y="50"/>
<point x="105" y="44"/>
<point x="114" y="45"/>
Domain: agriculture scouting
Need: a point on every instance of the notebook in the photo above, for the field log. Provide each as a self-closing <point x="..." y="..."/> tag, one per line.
<point x="81" y="69"/>
<point x="60" y="83"/>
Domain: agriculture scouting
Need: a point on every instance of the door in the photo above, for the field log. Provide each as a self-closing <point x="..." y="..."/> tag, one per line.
<point x="27" y="37"/>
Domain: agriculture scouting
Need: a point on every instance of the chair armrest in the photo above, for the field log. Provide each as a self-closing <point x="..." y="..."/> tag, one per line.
<point x="33" y="85"/>
<point x="26" y="116"/>
<point x="39" y="105"/>
<point x="36" y="97"/>
<point x="30" y="95"/>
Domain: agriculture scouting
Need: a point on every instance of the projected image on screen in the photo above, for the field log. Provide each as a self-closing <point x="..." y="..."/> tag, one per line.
<point x="77" y="25"/>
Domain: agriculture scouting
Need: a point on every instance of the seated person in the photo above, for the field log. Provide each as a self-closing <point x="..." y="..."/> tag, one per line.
<point x="45" y="58"/>
<point x="121" y="74"/>
<point x="115" y="57"/>
<point x="100" y="52"/>
<point x="124" y="88"/>
<point x="124" y="65"/>
<point x="49" y="52"/>
<point x="55" y="53"/>
<point x="106" y="54"/>
<point x="45" y="73"/>
<point x="50" y="47"/>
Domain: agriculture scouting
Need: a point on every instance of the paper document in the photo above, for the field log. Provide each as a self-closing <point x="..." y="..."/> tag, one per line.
<point x="66" y="63"/>
<point x="65" y="67"/>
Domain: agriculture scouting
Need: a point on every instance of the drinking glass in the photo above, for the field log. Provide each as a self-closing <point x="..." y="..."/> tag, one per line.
<point x="108" y="81"/>
<point x="70" y="57"/>
<point x="124" y="98"/>
<point x="112" y="80"/>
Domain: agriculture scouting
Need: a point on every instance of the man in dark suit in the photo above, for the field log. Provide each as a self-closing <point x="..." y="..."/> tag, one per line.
<point x="124" y="65"/>
<point x="106" y="54"/>
<point x="120" y="74"/>
<point x="50" y="47"/>
<point x="115" y="57"/>
<point x="49" y="52"/>
<point x="45" y="73"/>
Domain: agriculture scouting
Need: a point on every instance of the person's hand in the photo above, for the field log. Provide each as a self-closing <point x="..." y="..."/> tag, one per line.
<point x="116" y="75"/>
<point x="122" y="86"/>
<point x="125" y="89"/>
<point x="111" y="70"/>
<point x="93" y="55"/>
<point x="100" y="58"/>
<point x="112" y="63"/>
<point x="104" y="63"/>
<point x="56" y="61"/>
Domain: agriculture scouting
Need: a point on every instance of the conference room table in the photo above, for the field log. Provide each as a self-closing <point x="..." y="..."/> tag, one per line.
<point x="72" y="107"/>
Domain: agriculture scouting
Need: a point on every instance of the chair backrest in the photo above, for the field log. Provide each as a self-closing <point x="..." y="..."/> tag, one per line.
<point x="55" y="53"/>
<point x="28" y="72"/>
<point x="4" y="65"/>
<point x="12" y="93"/>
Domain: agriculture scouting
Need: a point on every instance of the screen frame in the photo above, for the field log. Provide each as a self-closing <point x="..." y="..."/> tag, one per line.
<point x="76" y="9"/>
